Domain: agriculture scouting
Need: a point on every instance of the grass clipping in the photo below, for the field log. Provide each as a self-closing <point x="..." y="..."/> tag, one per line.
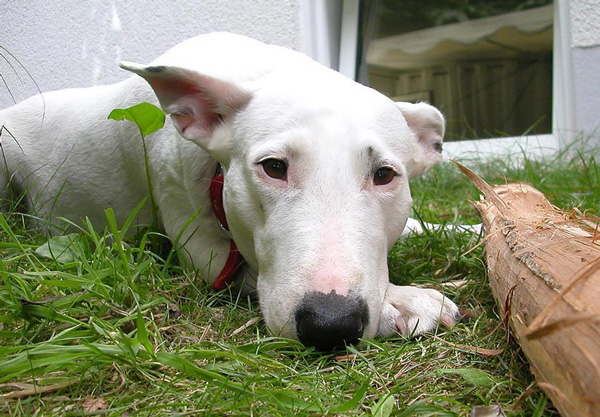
<point x="544" y="270"/>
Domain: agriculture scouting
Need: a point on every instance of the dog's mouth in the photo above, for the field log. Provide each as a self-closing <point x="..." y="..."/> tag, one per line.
<point x="331" y="321"/>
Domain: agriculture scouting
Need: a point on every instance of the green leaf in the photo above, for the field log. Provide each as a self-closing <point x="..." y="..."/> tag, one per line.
<point x="191" y="370"/>
<point x="475" y="377"/>
<point x="352" y="402"/>
<point x="132" y="217"/>
<point x="46" y="312"/>
<point x="383" y="407"/>
<point x="146" y="116"/>
<point x="116" y="234"/>
<point x="283" y="398"/>
<point x="142" y="334"/>
<point x="148" y="119"/>
<point x="62" y="249"/>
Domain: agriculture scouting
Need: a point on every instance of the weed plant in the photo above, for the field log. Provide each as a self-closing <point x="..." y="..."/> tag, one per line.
<point x="94" y="323"/>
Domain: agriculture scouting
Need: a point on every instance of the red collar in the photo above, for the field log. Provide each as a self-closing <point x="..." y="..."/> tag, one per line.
<point x="235" y="258"/>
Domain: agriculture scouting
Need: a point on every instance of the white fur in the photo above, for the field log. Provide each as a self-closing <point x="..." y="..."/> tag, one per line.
<point x="238" y="101"/>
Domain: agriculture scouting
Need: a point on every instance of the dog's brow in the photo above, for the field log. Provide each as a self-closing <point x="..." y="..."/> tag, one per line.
<point x="373" y="154"/>
<point x="280" y="152"/>
<point x="377" y="159"/>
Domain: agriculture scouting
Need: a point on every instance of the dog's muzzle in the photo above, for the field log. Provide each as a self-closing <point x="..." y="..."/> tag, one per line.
<point x="328" y="321"/>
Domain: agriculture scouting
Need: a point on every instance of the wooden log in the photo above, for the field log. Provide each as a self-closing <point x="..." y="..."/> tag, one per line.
<point x="544" y="271"/>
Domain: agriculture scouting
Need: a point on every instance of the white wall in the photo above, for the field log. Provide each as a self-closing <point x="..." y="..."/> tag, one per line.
<point x="78" y="43"/>
<point x="585" y="45"/>
<point x="585" y="23"/>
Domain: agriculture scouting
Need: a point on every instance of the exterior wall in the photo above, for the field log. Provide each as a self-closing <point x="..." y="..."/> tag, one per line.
<point x="585" y="47"/>
<point x="585" y="23"/>
<point x="75" y="43"/>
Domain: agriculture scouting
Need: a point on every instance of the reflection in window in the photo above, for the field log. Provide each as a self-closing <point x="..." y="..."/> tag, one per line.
<point x="486" y="64"/>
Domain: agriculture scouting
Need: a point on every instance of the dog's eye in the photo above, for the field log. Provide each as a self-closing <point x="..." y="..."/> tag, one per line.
<point x="275" y="168"/>
<point x="383" y="176"/>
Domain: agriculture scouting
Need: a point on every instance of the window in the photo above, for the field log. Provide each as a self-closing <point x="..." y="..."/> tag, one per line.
<point x="498" y="70"/>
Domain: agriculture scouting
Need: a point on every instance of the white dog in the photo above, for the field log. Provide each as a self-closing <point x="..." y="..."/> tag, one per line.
<point x="316" y="170"/>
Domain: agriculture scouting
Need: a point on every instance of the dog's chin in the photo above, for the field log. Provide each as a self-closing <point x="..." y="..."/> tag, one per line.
<point x="324" y="347"/>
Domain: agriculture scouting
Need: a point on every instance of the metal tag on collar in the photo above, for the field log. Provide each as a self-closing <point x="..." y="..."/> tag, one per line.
<point x="225" y="232"/>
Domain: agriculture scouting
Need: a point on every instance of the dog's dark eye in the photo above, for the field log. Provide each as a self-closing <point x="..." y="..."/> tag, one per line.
<point x="383" y="176"/>
<point x="275" y="168"/>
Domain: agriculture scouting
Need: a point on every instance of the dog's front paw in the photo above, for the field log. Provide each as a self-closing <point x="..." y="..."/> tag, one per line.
<point x="411" y="311"/>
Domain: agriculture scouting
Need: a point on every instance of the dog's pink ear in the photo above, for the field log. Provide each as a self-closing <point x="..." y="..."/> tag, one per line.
<point x="198" y="104"/>
<point x="427" y="125"/>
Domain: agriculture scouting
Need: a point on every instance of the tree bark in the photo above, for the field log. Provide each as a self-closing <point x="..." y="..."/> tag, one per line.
<point x="544" y="271"/>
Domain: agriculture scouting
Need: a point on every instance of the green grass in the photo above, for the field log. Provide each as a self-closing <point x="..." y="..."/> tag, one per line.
<point x="110" y="321"/>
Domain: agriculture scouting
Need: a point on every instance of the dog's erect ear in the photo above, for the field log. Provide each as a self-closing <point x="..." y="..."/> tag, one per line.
<point x="427" y="124"/>
<point x="198" y="104"/>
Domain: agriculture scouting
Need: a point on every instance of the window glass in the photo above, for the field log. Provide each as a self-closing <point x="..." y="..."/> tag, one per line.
<point x="487" y="65"/>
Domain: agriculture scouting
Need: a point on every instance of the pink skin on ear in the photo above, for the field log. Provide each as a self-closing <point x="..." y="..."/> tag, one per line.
<point x="197" y="103"/>
<point x="428" y="125"/>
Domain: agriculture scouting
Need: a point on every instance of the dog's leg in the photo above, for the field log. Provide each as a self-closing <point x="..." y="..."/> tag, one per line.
<point x="411" y="311"/>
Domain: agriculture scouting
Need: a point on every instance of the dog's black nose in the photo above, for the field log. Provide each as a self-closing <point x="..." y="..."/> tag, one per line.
<point x="327" y="321"/>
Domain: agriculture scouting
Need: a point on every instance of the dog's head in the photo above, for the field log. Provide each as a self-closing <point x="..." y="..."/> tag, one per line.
<point x="316" y="189"/>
